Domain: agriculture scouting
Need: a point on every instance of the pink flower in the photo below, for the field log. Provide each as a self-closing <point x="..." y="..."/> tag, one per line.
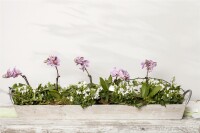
<point x="114" y="72"/>
<point x="123" y="74"/>
<point x="120" y="73"/>
<point x="52" y="61"/>
<point x="149" y="64"/>
<point x="14" y="73"/>
<point x="82" y="62"/>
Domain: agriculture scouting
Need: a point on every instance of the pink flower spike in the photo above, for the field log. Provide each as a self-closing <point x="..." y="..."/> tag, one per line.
<point x="82" y="62"/>
<point x="14" y="73"/>
<point x="53" y="61"/>
<point x="149" y="64"/>
<point x="114" y="72"/>
<point x="122" y="74"/>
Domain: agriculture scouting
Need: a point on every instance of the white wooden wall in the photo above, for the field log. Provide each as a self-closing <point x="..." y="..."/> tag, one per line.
<point x="109" y="33"/>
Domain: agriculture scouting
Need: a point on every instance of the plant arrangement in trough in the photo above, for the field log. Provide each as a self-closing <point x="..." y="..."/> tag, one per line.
<point x="118" y="88"/>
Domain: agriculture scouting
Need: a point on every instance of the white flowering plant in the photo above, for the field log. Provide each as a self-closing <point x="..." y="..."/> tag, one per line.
<point x="118" y="88"/>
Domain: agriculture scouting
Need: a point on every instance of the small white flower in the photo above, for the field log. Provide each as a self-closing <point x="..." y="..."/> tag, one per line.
<point x="86" y="95"/>
<point x="84" y="83"/>
<point x="79" y="85"/>
<point x="126" y="92"/>
<point x="87" y="90"/>
<point x="84" y="86"/>
<point x="78" y="92"/>
<point x="96" y="95"/>
<point x="121" y="89"/>
<point x="151" y="80"/>
<point x="127" y="86"/>
<point x="100" y="88"/>
<point x="162" y="86"/>
<point x="71" y="98"/>
<point x="84" y="92"/>
<point x="23" y="91"/>
<point x="111" y="88"/>
<point x="138" y="87"/>
<point x="135" y="87"/>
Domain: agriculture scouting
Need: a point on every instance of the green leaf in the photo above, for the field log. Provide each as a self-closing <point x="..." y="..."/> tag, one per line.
<point x="155" y="91"/>
<point x="135" y="94"/>
<point x="55" y="94"/>
<point x="135" y="83"/>
<point x="144" y="90"/>
<point x="103" y="84"/>
<point x="49" y="88"/>
<point x="110" y="79"/>
<point x="14" y="86"/>
<point x="65" y="93"/>
<point x="20" y="85"/>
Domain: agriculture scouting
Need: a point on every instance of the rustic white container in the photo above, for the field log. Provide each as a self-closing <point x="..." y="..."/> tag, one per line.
<point x="103" y="112"/>
<point x="100" y="112"/>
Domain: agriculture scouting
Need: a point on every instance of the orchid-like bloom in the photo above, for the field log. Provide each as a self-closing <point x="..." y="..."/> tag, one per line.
<point x="55" y="62"/>
<point x="52" y="61"/>
<point x="120" y="73"/>
<point x="114" y="72"/>
<point x="123" y="74"/>
<point x="83" y="65"/>
<point x="82" y="62"/>
<point x="15" y="73"/>
<point x="12" y="73"/>
<point x="149" y="64"/>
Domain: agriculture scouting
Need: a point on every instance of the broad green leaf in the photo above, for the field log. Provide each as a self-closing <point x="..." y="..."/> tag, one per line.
<point x="55" y="94"/>
<point x="20" y="85"/>
<point x="65" y="93"/>
<point x="144" y="90"/>
<point x="103" y="84"/>
<point x="49" y="88"/>
<point x="14" y="86"/>
<point x="110" y="79"/>
<point x="155" y="91"/>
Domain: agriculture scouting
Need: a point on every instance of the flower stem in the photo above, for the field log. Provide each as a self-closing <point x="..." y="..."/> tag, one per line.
<point x="57" y="78"/>
<point x="147" y="73"/>
<point x="24" y="77"/>
<point x="147" y="78"/>
<point x="90" y="77"/>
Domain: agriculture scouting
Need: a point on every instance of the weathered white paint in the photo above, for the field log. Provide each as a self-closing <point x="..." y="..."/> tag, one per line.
<point x="33" y="125"/>
<point x="99" y="126"/>
<point x="100" y="112"/>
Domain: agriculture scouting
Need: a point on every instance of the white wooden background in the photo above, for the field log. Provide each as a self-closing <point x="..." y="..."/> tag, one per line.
<point x="109" y="33"/>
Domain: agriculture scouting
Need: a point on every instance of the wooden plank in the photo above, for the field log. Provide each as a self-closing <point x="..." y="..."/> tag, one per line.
<point x="103" y="126"/>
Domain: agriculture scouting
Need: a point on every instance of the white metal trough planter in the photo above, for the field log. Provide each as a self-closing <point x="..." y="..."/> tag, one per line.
<point x="97" y="112"/>
<point x="102" y="112"/>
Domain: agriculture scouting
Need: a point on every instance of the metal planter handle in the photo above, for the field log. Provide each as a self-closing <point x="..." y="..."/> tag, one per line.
<point x="189" y="96"/>
<point x="10" y="94"/>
